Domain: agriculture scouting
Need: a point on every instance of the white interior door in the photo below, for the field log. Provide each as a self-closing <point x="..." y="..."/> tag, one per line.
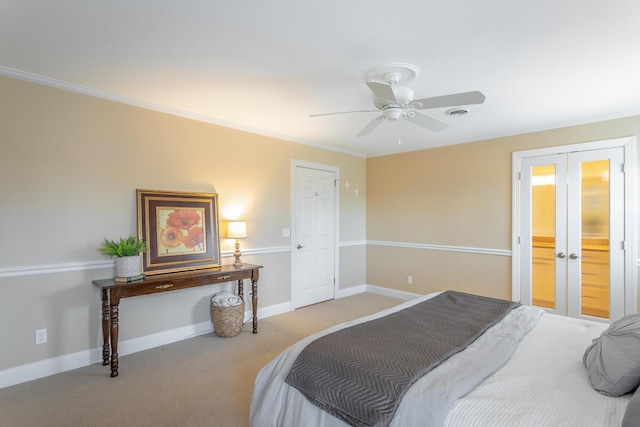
<point x="314" y="237"/>
<point x="572" y="239"/>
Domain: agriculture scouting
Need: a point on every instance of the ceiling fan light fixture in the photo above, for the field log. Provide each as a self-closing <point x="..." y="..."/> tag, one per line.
<point x="392" y="113"/>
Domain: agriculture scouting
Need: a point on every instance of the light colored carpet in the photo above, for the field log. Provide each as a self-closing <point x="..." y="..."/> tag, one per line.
<point x="201" y="381"/>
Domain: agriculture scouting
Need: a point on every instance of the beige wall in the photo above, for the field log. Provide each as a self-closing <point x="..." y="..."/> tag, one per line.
<point x="456" y="196"/>
<point x="70" y="164"/>
<point x="69" y="168"/>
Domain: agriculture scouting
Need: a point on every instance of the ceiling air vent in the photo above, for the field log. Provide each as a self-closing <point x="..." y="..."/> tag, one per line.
<point x="456" y="112"/>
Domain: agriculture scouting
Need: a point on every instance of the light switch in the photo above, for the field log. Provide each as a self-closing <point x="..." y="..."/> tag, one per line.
<point x="286" y="232"/>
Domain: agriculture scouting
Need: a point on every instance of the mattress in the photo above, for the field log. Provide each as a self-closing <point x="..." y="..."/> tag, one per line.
<point x="541" y="382"/>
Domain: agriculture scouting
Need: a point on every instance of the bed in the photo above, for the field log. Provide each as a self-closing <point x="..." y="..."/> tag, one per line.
<point x="525" y="370"/>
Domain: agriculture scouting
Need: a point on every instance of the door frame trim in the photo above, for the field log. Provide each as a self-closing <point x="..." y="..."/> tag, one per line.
<point x="336" y="229"/>
<point x="630" y="185"/>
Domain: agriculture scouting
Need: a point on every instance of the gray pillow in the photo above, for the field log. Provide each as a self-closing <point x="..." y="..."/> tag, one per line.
<point x="613" y="359"/>
<point x="632" y="414"/>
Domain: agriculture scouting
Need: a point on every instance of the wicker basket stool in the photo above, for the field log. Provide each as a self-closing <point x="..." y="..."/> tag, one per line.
<point x="227" y="321"/>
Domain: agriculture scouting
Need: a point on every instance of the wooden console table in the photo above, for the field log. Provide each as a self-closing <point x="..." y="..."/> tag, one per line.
<point x="112" y="291"/>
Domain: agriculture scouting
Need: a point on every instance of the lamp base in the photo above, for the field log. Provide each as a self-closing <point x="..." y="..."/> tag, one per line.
<point x="237" y="254"/>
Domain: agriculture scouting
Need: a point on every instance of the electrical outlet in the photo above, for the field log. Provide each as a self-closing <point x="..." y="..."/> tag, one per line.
<point x="409" y="280"/>
<point x="41" y="336"/>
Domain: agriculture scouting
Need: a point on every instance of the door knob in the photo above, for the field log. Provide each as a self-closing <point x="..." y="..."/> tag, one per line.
<point x="574" y="256"/>
<point x="560" y="255"/>
<point x="300" y="246"/>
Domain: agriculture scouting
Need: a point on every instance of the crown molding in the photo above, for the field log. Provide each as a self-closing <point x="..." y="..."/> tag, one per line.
<point x="84" y="90"/>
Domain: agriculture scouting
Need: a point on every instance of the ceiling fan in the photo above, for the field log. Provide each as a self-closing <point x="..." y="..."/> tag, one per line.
<point x="397" y="102"/>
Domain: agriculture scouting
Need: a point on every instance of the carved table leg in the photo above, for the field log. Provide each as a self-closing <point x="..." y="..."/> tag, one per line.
<point x="115" y="317"/>
<point x="254" y="303"/>
<point x="106" y="320"/>
<point x="114" y="340"/>
<point x="241" y="289"/>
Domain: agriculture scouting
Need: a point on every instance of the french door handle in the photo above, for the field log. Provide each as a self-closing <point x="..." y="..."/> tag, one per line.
<point x="561" y="255"/>
<point x="574" y="256"/>
<point x="300" y="246"/>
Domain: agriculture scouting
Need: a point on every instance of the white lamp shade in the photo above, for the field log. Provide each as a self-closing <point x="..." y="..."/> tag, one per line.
<point x="236" y="230"/>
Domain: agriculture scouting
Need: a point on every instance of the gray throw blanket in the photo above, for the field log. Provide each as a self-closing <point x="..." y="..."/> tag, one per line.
<point x="360" y="374"/>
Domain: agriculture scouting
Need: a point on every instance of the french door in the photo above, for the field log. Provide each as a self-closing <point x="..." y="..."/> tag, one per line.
<point x="571" y="233"/>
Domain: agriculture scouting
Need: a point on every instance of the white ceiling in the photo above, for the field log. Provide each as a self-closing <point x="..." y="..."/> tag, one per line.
<point x="264" y="66"/>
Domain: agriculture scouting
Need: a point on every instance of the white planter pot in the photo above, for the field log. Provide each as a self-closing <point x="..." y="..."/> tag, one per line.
<point x="128" y="266"/>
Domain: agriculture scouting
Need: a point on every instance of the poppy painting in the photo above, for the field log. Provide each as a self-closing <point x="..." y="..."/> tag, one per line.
<point x="181" y="230"/>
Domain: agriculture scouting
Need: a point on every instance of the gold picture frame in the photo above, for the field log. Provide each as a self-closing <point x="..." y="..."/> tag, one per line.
<point x="180" y="229"/>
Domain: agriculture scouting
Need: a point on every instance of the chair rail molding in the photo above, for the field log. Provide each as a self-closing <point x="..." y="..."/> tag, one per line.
<point x="32" y="270"/>
<point x="484" y="251"/>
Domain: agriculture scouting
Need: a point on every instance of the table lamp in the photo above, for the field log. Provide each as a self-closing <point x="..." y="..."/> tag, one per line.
<point x="237" y="230"/>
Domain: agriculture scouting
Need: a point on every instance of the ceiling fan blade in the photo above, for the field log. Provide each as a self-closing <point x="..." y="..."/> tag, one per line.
<point x="464" y="98"/>
<point x="371" y="126"/>
<point x="343" y="112"/>
<point x="426" y="121"/>
<point x="383" y="92"/>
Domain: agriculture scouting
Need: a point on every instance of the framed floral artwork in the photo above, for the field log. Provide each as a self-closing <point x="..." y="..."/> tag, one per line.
<point x="180" y="229"/>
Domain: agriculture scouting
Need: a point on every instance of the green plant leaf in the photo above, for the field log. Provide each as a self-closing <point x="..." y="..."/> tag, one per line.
<point x="129" y="246"/>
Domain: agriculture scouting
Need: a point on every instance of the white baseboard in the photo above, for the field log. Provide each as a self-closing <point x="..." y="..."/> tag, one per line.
<point x="68" y="362"/>
<point x="393" y="293"/>
<point x="44" y="368"/>
<point x="354" y="290"/>
<point x="273" y="310"/>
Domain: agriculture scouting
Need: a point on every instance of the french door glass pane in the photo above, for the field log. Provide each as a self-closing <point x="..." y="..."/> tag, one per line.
<point x="595" y="238"/>
<point x="543" y="226"/>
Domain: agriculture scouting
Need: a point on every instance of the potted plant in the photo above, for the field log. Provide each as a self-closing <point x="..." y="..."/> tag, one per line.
<point x="126" y="251"/>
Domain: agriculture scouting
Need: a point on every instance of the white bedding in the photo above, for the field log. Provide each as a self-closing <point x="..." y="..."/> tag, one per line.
<point x="543" y="384"/>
